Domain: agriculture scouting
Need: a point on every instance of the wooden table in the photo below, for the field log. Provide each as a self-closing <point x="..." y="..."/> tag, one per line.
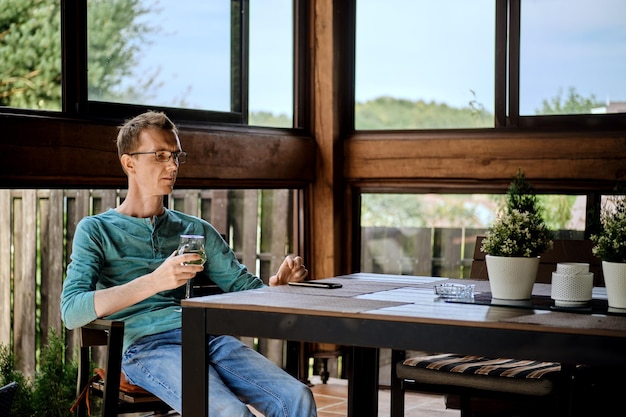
<point x="373" y="311"/>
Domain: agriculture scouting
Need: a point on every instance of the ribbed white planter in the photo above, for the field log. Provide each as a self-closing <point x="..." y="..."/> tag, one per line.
<point x="615" y="282"/>
<point x="511" y="278"/>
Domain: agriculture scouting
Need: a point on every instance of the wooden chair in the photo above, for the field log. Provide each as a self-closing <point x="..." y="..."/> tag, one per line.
<point x="321" y="354"/>
<point x="114" y="401"/>
<point x="545" y="394"/>
<point x="117" y="398"/>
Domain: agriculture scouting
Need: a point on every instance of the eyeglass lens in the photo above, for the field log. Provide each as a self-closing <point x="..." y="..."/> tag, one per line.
<point x="164" y="156"/>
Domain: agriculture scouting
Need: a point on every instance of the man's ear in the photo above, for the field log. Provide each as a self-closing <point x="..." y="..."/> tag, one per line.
<point x="127" y="163"/>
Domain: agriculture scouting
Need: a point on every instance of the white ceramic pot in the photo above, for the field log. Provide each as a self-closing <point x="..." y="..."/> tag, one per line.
<point x="511" y="278"/>
<point x="615" y="282"/>
<point x="571" y="290"/>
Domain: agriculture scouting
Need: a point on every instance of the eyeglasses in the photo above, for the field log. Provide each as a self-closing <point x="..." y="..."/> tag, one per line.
<point x="164" y="156"/>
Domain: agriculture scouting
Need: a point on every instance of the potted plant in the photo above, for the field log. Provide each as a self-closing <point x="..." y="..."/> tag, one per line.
<point x="515" y="241"/>
<point x="610" y="246"/>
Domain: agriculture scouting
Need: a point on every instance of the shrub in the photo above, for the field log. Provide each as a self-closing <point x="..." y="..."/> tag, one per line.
<point x="53" y="390"/>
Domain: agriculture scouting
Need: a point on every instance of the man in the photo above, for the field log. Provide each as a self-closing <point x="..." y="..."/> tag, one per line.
<point x="125" y="267"/>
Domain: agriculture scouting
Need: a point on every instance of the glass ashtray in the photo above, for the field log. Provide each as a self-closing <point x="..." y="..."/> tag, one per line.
<point x="454" y="290"/>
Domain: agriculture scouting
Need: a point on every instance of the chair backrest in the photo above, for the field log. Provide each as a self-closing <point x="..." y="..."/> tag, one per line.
<point x="102" y="333"/>
<point x="110" y="334"/>
<point x="563" y="250"/>
<point x="202" y="285"/>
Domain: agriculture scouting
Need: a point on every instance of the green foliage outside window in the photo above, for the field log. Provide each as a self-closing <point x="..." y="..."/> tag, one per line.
<point x="453" y="210"/>
<point x="115" y="39"/>
<point x="118" y="30"/>
<point x="573" y="103"/>
<point x="394" y="113"/>
<point x="30" y="52"/>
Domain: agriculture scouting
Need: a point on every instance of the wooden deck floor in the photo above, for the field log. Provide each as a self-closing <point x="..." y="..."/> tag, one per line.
<point x="331" y="399"/>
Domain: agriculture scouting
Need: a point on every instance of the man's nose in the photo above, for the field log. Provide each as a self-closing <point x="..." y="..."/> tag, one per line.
<point x="172" y="163"/>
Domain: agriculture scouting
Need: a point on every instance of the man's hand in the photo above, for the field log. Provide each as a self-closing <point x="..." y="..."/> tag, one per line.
<point x="292" y="269"/>
<point x="172" y="273"/>
<point x="175" y="271"/>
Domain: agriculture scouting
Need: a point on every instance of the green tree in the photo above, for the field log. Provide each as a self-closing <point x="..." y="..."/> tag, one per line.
<point x="30" y="54"/>
<point x="265" y="118"/>
<point x="115" y="49"/>
<point x="30" y="51"/>
<point x="573" y="103"/>
<point x="418" y="210"/>
<point x="557" y="210"/>
<point x="394" y="113"/>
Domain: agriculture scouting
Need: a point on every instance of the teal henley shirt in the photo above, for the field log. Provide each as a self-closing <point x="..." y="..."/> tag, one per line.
<point x="111" y="249"/>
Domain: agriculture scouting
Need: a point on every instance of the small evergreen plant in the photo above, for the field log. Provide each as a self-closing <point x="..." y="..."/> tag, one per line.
<point x="53" y="389"/>
<point x="520" y="230"/>
<point x="610" y="243"/>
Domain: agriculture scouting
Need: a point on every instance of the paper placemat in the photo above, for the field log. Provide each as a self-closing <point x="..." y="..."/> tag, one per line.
<point x="281" y="299"/>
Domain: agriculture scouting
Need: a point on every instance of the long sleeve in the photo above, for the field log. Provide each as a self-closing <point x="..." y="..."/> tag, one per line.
<point x="111" y="249"/>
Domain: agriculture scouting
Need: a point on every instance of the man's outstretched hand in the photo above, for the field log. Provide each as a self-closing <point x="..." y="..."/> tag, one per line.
<point x="292" y="269"/>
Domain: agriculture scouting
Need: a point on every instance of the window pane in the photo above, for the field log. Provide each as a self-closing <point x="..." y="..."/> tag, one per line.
<point x="30" y="54"/>
<point x="435" y="234"/>
<point x="172" y="53"/>
<point x="573" y="57"/>
<point x="423" y="64"/>
<point x="271" y="63"/>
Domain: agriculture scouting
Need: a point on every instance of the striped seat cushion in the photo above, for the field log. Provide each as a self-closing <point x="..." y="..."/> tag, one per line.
<point x="494" y="374"/>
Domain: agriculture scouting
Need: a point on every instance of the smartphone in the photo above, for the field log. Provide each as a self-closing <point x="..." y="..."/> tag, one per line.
<point x="316" y="284"/>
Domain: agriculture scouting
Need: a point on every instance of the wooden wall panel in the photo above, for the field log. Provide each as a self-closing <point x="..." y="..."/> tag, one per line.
<point x="569" y="158"/>
<point x="44" y="152"/>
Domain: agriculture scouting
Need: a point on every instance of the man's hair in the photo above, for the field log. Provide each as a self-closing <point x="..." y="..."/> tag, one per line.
<point x="128" y="135"/>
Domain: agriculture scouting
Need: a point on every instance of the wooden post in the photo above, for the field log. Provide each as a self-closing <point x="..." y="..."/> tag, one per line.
<point x="5" y="267"/>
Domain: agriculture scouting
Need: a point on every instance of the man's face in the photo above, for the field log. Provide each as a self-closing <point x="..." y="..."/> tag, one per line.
<point x="154" y="177"/>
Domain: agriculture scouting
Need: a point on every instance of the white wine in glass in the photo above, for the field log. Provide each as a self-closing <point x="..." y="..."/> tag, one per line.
<point x="192" y="244"/>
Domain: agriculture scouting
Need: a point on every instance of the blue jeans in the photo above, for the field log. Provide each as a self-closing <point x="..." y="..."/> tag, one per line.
<point x="238" y="375"/>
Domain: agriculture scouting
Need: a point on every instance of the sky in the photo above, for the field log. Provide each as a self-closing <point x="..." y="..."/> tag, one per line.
<point x="414" y="49"/>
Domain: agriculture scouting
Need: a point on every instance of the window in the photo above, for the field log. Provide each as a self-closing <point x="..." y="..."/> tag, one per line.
<point x="572" y="63"/>
<point x="198" y="60"/>
<point x="167" y="53"/>
<point x="271" y="63"/>
<point x="489" y="63"/>
<point x="194" y="55"/>
<point x="423" y="64"/>
<point x="435" y="234"/>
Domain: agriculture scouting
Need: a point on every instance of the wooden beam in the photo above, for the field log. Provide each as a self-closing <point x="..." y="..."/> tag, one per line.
<point x="487" y="156"/>
<point x="48" y="152"/>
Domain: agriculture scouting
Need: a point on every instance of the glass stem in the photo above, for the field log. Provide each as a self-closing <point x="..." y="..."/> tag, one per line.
<point x="188" y="289"/>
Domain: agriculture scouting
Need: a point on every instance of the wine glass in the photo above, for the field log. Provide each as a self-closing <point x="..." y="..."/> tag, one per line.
<point x="192" y="244"/>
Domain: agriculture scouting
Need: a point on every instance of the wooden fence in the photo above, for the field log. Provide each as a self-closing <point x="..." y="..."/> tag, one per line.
<point x="443" y="252"/>
<point x="37" y="229"/>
